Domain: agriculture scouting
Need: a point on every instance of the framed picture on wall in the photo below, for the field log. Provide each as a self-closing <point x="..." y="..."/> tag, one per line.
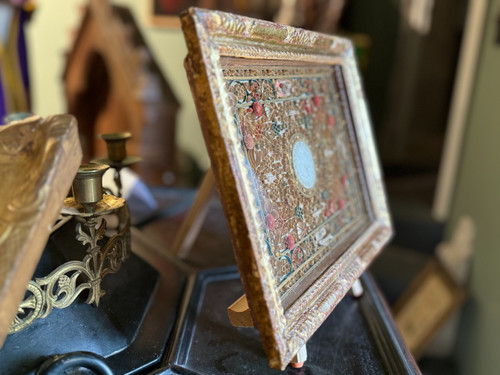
<point x="424" y="307"/>
<point x="288" y="133"/>
<point x="165" y="13"/>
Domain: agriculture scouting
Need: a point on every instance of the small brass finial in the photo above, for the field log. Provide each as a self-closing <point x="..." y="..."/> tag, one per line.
<point x="115" y="143"/>
<point x="87" y="185"/>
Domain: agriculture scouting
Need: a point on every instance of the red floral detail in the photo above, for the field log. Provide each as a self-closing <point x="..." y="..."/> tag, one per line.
<point x="279" y="89"/>
<point x="341" y="203"/>
<point x="330" y="208"/>
<point x="297" y="257"/>
<point x="307" y="107"/>
<point x="254" y="86"/>
<point x="316" y="100"/>
<point x="270" y="221"/>
<point x="282" y="88"/>
<point x="258" y="132"/>
<point x="331" y="120"/>
<point x="249" y="142"/>
<point x="344" y="179"/>
<point x="289" y="242"/>
<point x="257" y="109"/>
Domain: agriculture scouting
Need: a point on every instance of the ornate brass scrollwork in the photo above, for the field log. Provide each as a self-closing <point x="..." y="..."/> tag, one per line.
<point x="62" y="286"/>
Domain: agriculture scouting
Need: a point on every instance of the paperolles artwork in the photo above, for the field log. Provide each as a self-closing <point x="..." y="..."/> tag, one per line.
<point x="287" y="130"/>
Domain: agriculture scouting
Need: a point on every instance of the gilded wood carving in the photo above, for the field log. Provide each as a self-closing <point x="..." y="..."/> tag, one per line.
<point x="287" y="130"/>
<point x="38" y="160"/>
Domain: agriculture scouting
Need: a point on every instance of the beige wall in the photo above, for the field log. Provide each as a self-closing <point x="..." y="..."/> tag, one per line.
<point x="50" y="36"/>
<point x="478" y="194"/>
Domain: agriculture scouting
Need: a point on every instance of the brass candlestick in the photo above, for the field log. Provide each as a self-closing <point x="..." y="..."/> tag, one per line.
<point x="116" y="145"/>
<point x="117" y="155"/>
<point x="87" y="185"/>
<point x="104" y="255"/>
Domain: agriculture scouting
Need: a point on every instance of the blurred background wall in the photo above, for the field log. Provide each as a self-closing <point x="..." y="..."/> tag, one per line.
<point x="50" y="35"/>
<point x="477" y="193"/>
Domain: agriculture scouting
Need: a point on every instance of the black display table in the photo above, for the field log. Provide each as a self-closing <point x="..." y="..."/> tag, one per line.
<point x="163" y="316"/>
<point x="359" y="337"/>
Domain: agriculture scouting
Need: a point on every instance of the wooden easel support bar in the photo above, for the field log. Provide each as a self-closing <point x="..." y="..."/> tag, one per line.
<point x="239" y="313"/>
<point x="191" y="225"/>
<point x="240" y="316"/>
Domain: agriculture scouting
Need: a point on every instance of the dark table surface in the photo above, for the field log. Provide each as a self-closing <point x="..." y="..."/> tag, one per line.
<point x="359" y="337"/>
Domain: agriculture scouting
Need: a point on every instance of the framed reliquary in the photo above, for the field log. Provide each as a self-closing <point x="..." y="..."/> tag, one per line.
<point x="289" y="137"/>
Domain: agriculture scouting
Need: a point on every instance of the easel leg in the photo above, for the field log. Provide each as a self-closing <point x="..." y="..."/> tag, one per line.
<point x="191" y="225"/>
<point x="300" y="357"/>
<point x="357" y="289"/>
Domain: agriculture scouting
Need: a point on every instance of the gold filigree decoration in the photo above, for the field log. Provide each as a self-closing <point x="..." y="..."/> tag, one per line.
<point x="66" y="283"/>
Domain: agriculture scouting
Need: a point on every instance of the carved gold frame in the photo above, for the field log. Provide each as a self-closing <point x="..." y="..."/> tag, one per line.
<point x="211" y="36"/>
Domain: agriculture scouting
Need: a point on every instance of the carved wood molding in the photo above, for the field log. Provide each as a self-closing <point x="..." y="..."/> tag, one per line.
<point x="38" y="160"/>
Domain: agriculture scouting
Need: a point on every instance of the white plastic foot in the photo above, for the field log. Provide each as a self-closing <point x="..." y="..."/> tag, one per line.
<point x="300" y="357"/>
<point x="357" y="289"/>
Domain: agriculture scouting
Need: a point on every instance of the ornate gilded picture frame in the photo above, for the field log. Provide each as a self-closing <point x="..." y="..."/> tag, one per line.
<point x="289" y="137"/>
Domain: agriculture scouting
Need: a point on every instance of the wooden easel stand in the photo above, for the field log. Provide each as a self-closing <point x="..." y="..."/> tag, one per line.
<point x="239" y="312"/>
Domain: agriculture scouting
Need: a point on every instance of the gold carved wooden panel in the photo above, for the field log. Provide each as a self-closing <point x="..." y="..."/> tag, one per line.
<point x="38" y="160"/>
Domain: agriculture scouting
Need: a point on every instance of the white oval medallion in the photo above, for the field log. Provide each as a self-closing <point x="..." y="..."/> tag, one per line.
<point x="303" y="164"/>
